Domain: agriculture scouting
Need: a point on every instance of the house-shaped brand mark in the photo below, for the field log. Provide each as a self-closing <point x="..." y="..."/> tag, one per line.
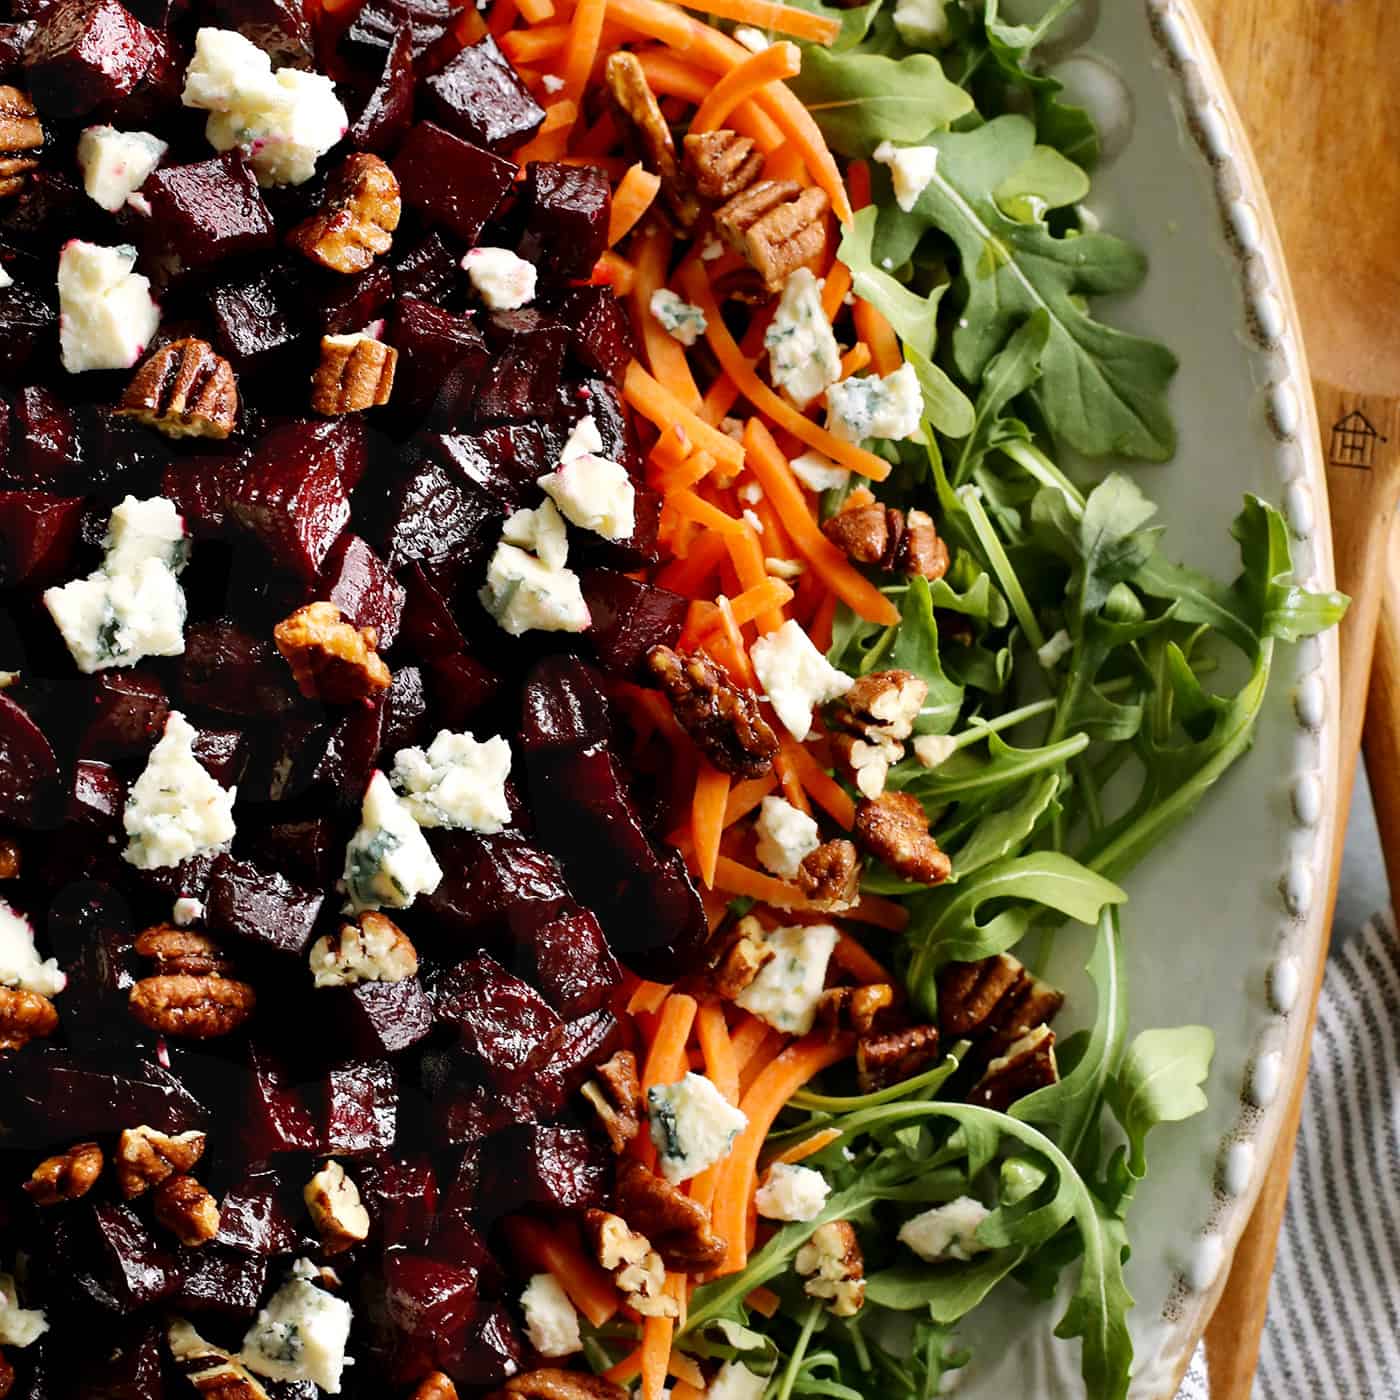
<point x="1353" y="443"/>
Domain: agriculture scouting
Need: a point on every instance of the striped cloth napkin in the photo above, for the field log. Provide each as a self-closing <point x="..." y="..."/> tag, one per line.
<point x="1333" y="1330"/>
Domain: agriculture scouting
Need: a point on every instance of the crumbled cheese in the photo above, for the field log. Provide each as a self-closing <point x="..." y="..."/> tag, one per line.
<point x="553" y="82"/>
<point x="750" y="493"/>
<point x="584" y="439"/>
<point x="20" y="963"/>
<point x="456" y="782"/>
<point x="753" y="522"/>
<point x="373" y="950"/>
<point x="933" y="749"/>
<point x="19" y="1327"/>
<point x="791" y="1193"/>
<point x="786" y="835"/>
<point x="285" y="120"/>
<point x="186" y="911"/>
<point x="502" y="280"/>
<point x="946" y="1232"/>
<point x="803" y="357"/>
<point x="5" y="279"/>
<point x="106" y="316"/>
<point x="524" y="594"/>
<point x="550" y="1319"/>
<point x="789" y="985"/>
<point x="115" y="164"/>
<point x="734" y="1381"/>
<point x="301" y="1334"/>
<point x="540" y="531"/>
<point x="387" y="861"/>
<point x="680" y="319"/>
<point x="176" y="810"/>
<point x="692" y="1125"/>
<point x="912" y="168"/>
<point x="711" y="249"/>
<point x="819" y="473"/>
<point x="784" y="568"/>
<point x="142" y="530"/>
<point x="754" y="40"/>
<point x="871" y="407"/>
<point x="1055" y="649"/>
<point x="922" y="24"/>
<point x="594" y="493"/>
<point x="796" y="676"/>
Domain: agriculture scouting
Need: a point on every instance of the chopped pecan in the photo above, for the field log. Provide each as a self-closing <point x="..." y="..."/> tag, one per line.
<point x="356" y="372"/>
<point x="1027" y="1065"/>
<point x="635" y="1266"/>
<point x="833" y="1266"/>
<point x="678" y="1227"/>
<point x="859" y="1009"/>
<point x="372" y="949"/>
<point x="435" y="1387"/>
<point x="9" y="859"/>
<point x="995" y="997"/>
<point x="890" y="1057"/>
<point x="551" y="1383"/>
<point x="194" y="1008"/>
<point x="882" y="705"/>
<point x="722" y="163"/>
<point x="742" y="958"/>
<point x="829" y="877"/>
<point x="866" y="763"/>
<point x="777" y="226"/>
<point x="862" y="528"/>
<point x="212" y="1372"/>
<point x="145" y="1157"/>
<point x="723" y="720"/>
<point x="66" y="1176"/>
<point x="184" y="389"/>
<point x="24" y="1016"/>
<point x="616" y="1096"/>
<point x="356" y="221"/>
<point x="20" y="132"/>
<point x="186" y="1209"/>
<point x="182" y="950"/>
<point x="921" y="552"/>
<point x="7" y="1376"/>
<point x="634" y="100"/>
<point x="331" y="660"/>
<point x="333" y="1200"/>
<point x="894" y="828"/>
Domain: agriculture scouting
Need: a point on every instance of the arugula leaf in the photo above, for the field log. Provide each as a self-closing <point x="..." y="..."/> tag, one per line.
<point x="967" y="775"/>
<point x="1009" y="372"/>
<point x="948" y="1292"/>
<point x="1098" y="1309"/>
<point x="1016" y="41"/>
<point x="1113" y="546"/>
<point x="1004" y="831"/>
<point x="1159" y="1082"/>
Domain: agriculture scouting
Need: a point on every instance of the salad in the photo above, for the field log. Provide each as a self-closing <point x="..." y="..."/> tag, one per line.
<point x="567" y="660"/>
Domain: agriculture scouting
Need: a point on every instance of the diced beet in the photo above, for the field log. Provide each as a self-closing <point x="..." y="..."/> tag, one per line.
<point x="96" y="797"/>
<point x="629" y="617"/>
<point x="566" y="219"/>
<point x="501" y="463"/>
<point x="602" y="401"/>
<point x="90" y="930"/>
<point x="306" y="851"/>
<point x="283" y="754"/>
<point x="346" y="761"/>
<point x="189" y="879"/>
<point x="573" y="964"/>
<point x="451" y="182"/>
<point x="388" y="111"/>
<point x="222" y="753"/>
<point x="127" y="1366"/>
<point x="128" y="714"/>
<point x="159" y="88"/>
<point x="486" y="1353"/>
<point x="466" y="1111"/>
<point x="261" y="907"/>
<point x="275" y="1118"/>
<point x="586" y="1044"/>
<point x="544" y="1165"/>
<point x="377" y="24"/>
<point x="121" y="1267"/>
<point x="563" y="707"/>
<point x="434" y="345"/>
<point x="222" y="1282"/>
<point x="480" y="97"/>
<point x="427" y="1298"/>
<point x="433" y="520"/>
<point x="357" y="581"/>
<point x="460" y="687"/>
<point x="28" y="329"/>
<point x="454" y="1234"/>
<point x="405" y="710"/>
<point x="602" y="334"/>
<point x="14" y="38"/>
<point x="340" y="305"/>
<point x="379" y="1018"/>
<point x="278" y="27"/>
<point x="44" y="443"/>
<point x="28" y="769"/>
<point x="526" y="377"/>
<point x="254" y="324"/>
<point x="500" y="1019"/>
<point x="339" y="443"/>
<point x="201" y="488"/>
<point x="49" y="210"/>
<point x="38" y="532"/>
<point x="361" y="1107"/>
<point x="230" y="671"/>
<point x="254" y="1221"/>
<point x="204" y="212"/>
<point x="401" y="1196"/>
<point x="86" y="54"/>
<point x="428" y="270"/>
<point x="490" y="880"/>
<point x="429" y="629"/>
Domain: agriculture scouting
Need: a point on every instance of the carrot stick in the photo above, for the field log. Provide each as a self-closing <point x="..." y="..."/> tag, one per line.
<point x="764" y="1301"/>
<point x="734" y="878"/>
<point x="720" y="1064"/>
<point x="761" y="1058"/>
<point x="531" y="45"/>
<point x="535" y="11"/>
<point x="822" y="623"/>
<point x="771" y="468"/>
<point x="707" y="817"/>
<point x="809" y="1146"/>
<point x="656" y="1350"/>
<point x="582" y="47"/>
<point x="614" y="270"/>
<point x="746" y="554"/>
<point x="683" y="1390"/>
<point x="879" y="335"/>
<point x="852" y="958"/>
<point x="651" y="255"/>
<point x="824" y="790"/>
<point x="671" y="76"/>
<point x="762" y="598"/>
<point x="765" y="14"/>
<point x="503" y="15"/>
<point x="557" y="116"/>
<point x="855" y="359"/>
<point x="685" y="576"/>
<point x="750" y="1034"/>
<point x="647" y="997"/>
<point x="686" y="1371"/>
<point x="691" y="507"/>
<point x="655" y="403"/>
<point x="631" y="199"/>
<point x="740" y="370"/>
<point x="547" y="1249"/>
<point x="834" y="289"/>
<point x="745" y="796"/>
<point x="627" y="1370"/>
<point x="665" y="1062"/>
<point x="769" y="65"/>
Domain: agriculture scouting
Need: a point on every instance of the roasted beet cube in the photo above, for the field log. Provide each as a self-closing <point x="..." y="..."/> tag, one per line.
<point x="254" y="1219"/>
<point x="261" y="907"/>
<point x="434" y="346"/>
<point x="357" y="581"/>
<point x="480" y="97"/>
<point x="222" y="753"/>
<point x="339" y="305"/>
<point x="379" y="1018"/>
<point x="254" y="324"/>
<point x="231" y="671"/>
<point x="28" y="769"/>
<point x="305" y="851"/>
<point x="128" y="714"/>
<point x="276" y="1118"/>
<point x="485" y="1353"/>
<point x="341" y="443"/>
<point x="603" y="403"/>
<point x="502" y="463"/>
<point x="44" y="442"/>
<point x="405" y="710"/>
<point x="638" y="549"/>
<point x="378" y="22"/>
<point x="544" y="1165"/>
<point x="361" y="1107"/>
<point x="428" y="1299"/>
<point x="86" y="54"/>
<point x="344" y="758"/>
<point x="278" y="27"/>
<point x="429" y="629"/>
<point x="388" y="111"/>
<point x="523" y="381"/>
<point x="587" y="1042"/>
<point x="14" y="39"/>
<point x="629" y="617"/>
<point x="465" y="1111"/>
<point x="126" y="1367"/>
<point x="489" y="881"/>
<point x="125" y="1268"/>
<point x="201" y="488"/>
<point x="566" y="219"/>
<point x="38" y="532"/>
<point x="451" y="182"/>
<point x="90" y="933"/>
<point x="428" y="270"/>
<point x="602" y="334"/>
<point x="203" y="213"/>
<point x="96" y="797"/>
<point x="401" y="1196"/>
<point x="500" y="1019"/>
<point x="573" y="964"/>
<point x="28" y="327"/>
<point x="433" y="520"/>
<point x="222" y="1282"/>
<point x="563" y="707"/>
<point x="460" y="687"/>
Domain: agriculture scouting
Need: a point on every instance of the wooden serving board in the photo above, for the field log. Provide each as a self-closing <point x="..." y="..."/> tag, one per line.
<point x="1315" y="84"/>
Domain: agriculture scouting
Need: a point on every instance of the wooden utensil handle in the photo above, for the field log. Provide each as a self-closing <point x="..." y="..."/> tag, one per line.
<point x="1361" y="441"/>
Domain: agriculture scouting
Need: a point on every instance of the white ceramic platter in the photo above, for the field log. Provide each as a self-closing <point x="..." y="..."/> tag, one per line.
<point x="1224" y="924"/>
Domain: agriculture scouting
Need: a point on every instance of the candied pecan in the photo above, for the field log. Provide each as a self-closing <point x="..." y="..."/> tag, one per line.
<point x="372" y="949"/>
<point x="331" y="660"/>
<point x="184" y="389"/>
<point x="862" y="531"/>
<point x="551" y="1383"/>
<point x="723" y="720"/>
<point x="833" y="1266"/>
<point x="7" y="1376"/>
<point x="894" y="828"/>
<point x="333" y="1201"/>
<point x="211" y="1371"/>
<point x="882" y="705"/>
<point x="356" y="372"/>
<point x="996" y="997"/>
<point x="890" y="1057"/>
<point x="859" y="1009"/>
<point x="194" y="1008"/>
<point x="743" y="957"/>
<point x="1028" y="1064"/>
<point x="830" y="876"/>
<point x="24" y="1016"/>
<point x="920" y="551"/>
<point x="635" y="102"/>
<point x="722" y="163"/>
<point x="777" y="226"/>
<point x="616" y="1096"/>
<point x="65" y="1177"/>
<point x="182" y="950"/>
<point x="357" y="218"/>
<point x="186" y="1209"/>
<point x="9" y="859"/>
<point x="435" y="1387"/>
<point x="678" y="1227"/>
<point x="866" y="763"/>
<point x="146" y="1157"/>
<point x="636" y="1267"/>
<point x="20" y="132"/>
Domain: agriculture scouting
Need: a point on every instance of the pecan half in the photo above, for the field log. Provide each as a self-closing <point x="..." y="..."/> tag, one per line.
<point x="996" y="996"/>
<point x="866" y="763"/>
<point x="830" y="876"/>
<point x="192" y="1008"/>
<point x="24" y="1016"/>
<point x="212" y="1372"/>
<point x="882" y="705"/>
<point x="20" y="132"/>
<point x="862" y="528"/>
<point x="890" y="1057"/>
<point x="1027" y="1065"/>
<point x="833" y="1266"/>
<point x="616" y="1096"/>
<point x="356" y="221"/>
<point x="550" y="1383"/>
<point x="372" y="949"/>
<point x="9" y="859"/>
<point x="333" y="1201"/>
<point x="184" y="389"/>
<point x="635" y="102"/>
<point x="859" y="1009"/>
<point x="146" y="1157"/>
<point x="331" y="660"/>
<point x="635" y="1266"/>
<point x="894" y="828"/>
<point x="186" y="1209"/>
<point x="182" y="950"/>
<point x="777" y="226"/>
<point x="678" y="1227"/>
<point x="65" y="1177"/>
<point x="723" y="720"/>
<point x="742" y="959"/>
<point x="921" y="552"/>
<point x="722" y="163"/>
<point x="356" y="372"/>
<point x="435" y="1387"/>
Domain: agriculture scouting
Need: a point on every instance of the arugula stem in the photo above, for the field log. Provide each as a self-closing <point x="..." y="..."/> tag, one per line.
<point x="982" y="526"/>
<point x="1035" y="463"/>
<point x="929" y="1079"/>
<point x="799" y="1350"/>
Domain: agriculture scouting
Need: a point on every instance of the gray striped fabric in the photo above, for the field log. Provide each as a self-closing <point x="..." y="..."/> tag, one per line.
<point x="1333" y="1330"/>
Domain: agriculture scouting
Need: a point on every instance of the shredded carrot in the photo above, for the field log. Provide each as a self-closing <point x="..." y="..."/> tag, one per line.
<point x="734" y="878"/>
<point x="745" y="796"/>
<point x="687" y="1372"/>
<point x="879" y="912"/>
<point x="765" y="14"/>
<point x="750" y="1034"/>
<point x="764" y="1301"/>
<point x="808" y="1146"/>
<point x="746" y="554"/>
<point x="822" y="623"/>
<point x="689" y="506"/>
<point x="657" y="1335"/>
<point x="824" y="790"/>
<point x="627" y="1370"/>
<point x="631" y="199"/>
<point x="670" y="75"/>
<point x="720" y="1063"/>
<point x="535" y="11"/>
<point x="786" y="163"/>
<point x="503" y="15"/>
<point x="707" y="817"/>
<point x="582" y="47"/>
<point x="687" y="576"/>
<point x="531" y="45"/>
<point x="616" y="271"/>
<point x="776" y="62"/>
<point x="851" y="957"/>
<point x="834" y="289"/>
<point x="558" y="115"/>
<point x="763" y="597"/>
<point x="655" y="403"/>
<point x="665" y="1062"/>
<point x="549" y="1249"/>
<point x="878" y="334"/>
<point x="651" y="254"/>
<point x="683" y="1390"/>
<point x="647" y="997"/>
<point x="761" y="1058"/>
<point x="855" y="359"/>
<point x="786" y="770"/>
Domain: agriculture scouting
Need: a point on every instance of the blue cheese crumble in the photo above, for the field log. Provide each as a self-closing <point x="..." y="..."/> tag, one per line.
<point x="789" y="985"/>
<point x="871" y="407"/>
<point x="19" y="1327"/>
<point x="115" y="164"/>
<point x="693" y="1126"/>
<point x="947" y="1231"/>
<point x="911" y="168"/>
<point x="524" y="594"/>
<point x="791" y="1193"/>
<point x="455" y="782"/>
<point x="680" y="319"/>
<point x="786" y="836"/>
<point x="550" y="1319"/>
<point x="540" y="532"/>
<point x="803" y="357"/>
<point x="594" y="493"/>
<point x="796" y="676"/>
<point x="503" y="280"/>
<point x="106" y="315"/>
<point x="387" y="861"/>
<point x="819" y="473"/>
<point x="301" y="1334"/>
<point x="20" y="963"/>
